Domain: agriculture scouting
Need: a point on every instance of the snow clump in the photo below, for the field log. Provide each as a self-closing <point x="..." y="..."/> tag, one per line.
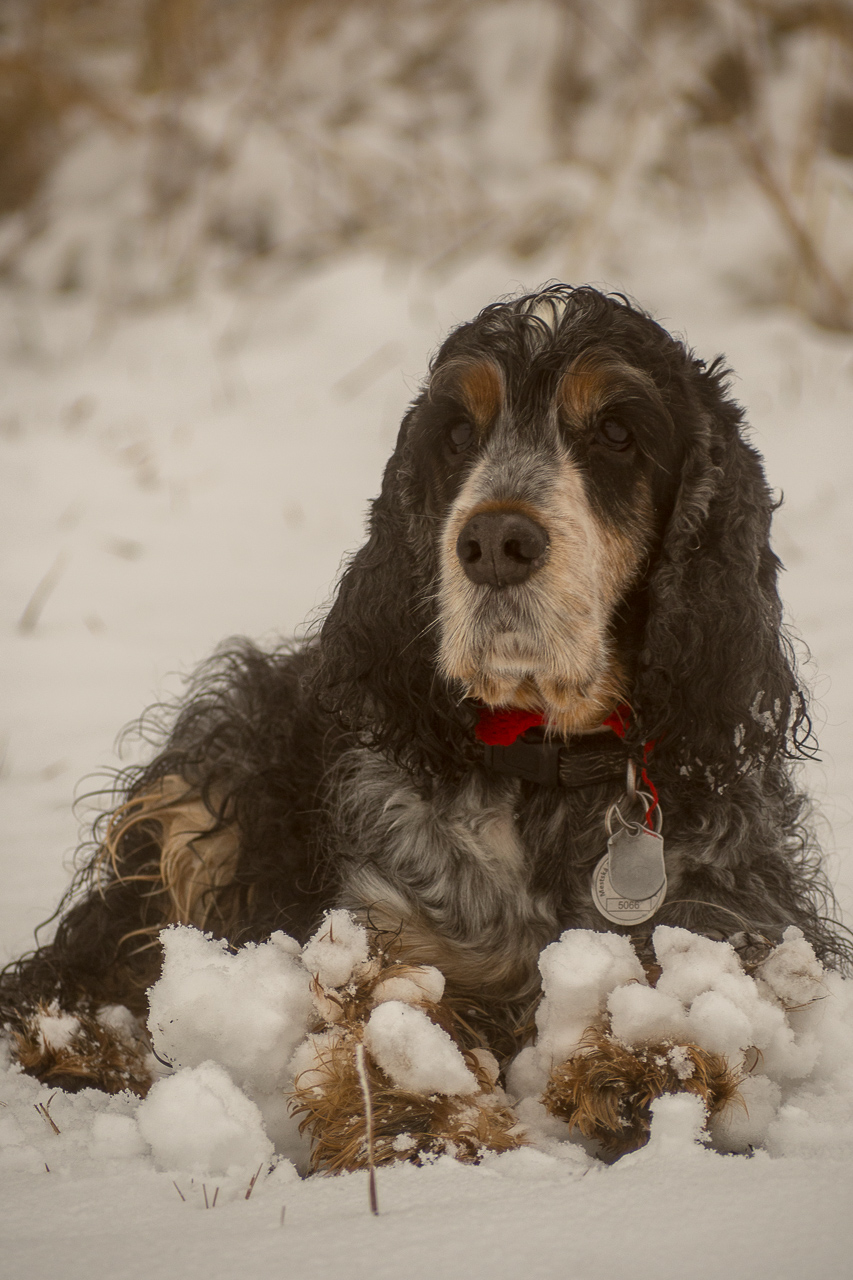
<point x="785" y="1024"/>
<point x="246" y="1010"/>
<point x="676" y="1132"/>
<point x="414" y="1053"/>
<point x="238" y="1027"/>
<point x="578" y="973"/>
<point x="199" y="1122"/>
<point x="56" y="1030"/>
<point x="338" y="951"/>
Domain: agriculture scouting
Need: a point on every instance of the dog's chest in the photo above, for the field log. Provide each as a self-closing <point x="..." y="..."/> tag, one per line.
<point x="451" y="864"/>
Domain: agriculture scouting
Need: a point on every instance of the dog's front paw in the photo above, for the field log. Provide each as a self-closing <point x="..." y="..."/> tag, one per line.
<point x="613" y="1038"/>
<point x="385" y="1076"/>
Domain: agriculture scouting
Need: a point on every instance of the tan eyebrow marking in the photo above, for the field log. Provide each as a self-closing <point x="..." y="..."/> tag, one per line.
<point x="480" y="385"/>
<point x="597" y="378"/>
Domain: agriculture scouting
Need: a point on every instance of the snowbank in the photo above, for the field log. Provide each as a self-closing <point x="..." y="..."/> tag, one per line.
<point x="241" y="1028"/>
<point x="235" y="1031"/>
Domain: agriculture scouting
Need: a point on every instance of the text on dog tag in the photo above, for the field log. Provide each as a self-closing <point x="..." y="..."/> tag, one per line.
<point x="629" y="882"/>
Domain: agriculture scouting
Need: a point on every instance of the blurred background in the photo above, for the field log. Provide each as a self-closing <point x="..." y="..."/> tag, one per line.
<point x="233" y="231"/>
<point x="148" y="147"/>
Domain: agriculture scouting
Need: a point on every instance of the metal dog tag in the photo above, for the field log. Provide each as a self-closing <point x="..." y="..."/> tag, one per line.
<point x="615" y="906"/>
<point x="637" y="867"/>
<point x="629" y="882"/>
<point x="620" y="892"/>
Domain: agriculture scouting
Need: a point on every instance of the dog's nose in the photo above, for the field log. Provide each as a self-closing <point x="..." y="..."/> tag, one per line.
<point x="501" y="547"/>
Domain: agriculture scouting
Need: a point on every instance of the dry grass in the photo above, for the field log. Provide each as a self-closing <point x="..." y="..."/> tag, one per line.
<point x="380" y="109"/>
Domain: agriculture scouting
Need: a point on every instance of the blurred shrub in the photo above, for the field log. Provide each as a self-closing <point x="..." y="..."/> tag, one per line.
<point x="284" y="131"/>
<point x="839" y="126"/>
<point x="30" y="113"/>
<point x="727" y="90"/>
<point x="37" y="92"/>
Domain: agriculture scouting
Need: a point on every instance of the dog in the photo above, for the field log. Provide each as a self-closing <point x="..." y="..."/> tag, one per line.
<point x="564" y="623"/>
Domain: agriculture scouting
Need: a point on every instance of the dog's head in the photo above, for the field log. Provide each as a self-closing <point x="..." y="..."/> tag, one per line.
<point x="571" y="519"/>
<point x="559" y="460"/>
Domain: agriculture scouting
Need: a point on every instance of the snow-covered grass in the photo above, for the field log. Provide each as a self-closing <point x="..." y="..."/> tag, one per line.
<point x="153" y="146"/>
<point x="110" y="1184"/>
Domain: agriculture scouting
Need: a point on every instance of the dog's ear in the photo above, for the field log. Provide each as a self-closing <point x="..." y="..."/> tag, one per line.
<point x="717" y="687"/>
<point x="376" y="668"/>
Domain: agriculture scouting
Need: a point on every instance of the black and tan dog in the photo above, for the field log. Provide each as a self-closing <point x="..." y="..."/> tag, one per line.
<point x="571" y="538"/>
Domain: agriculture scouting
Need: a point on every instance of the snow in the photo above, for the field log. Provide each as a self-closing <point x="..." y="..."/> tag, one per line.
<point x="56" y="1029"/>
<point x="198" y="1121"/>
<point x="676" y="1135"/>
<point x="414" y="1052"/>
<point x="233" y="1033"/>
<point x="246" y="1011"/>
<point x="338" y="950"/>
<point x="640" y="1015"/>
<point x="118" y="1137"/>
<point x="177" y="473"/>
<point x="791" y="1051"/>
<point x="692" y="964"/>
<point x="747" y="1125"/>
<point x="792" y="973"/>
<point x="578" y="973"/>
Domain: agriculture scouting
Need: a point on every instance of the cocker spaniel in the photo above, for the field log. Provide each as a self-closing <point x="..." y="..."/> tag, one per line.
<point x="561" y="642"/>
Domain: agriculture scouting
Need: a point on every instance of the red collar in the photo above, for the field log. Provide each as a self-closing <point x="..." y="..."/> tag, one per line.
<point x="500" y="727"/>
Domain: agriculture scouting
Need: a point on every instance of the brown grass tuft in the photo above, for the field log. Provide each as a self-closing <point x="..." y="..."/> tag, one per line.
<point x="606" y="1090"/>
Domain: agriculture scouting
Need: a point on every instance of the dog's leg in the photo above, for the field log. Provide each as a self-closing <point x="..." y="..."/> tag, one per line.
<point x="75" y="1008"/>
<point x="704" y="1019"/>
<point x="385" y="1031"/>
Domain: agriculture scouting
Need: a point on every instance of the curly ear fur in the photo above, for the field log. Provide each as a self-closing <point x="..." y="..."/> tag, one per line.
<point x="717" y="686"/>
<point x="376" y="668"/>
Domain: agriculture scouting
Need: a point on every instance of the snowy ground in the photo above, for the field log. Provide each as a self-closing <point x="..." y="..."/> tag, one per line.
<point x="189" y="473"/>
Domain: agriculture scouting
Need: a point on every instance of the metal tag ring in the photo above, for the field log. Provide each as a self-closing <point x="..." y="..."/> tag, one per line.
<point x="646" y="801"/>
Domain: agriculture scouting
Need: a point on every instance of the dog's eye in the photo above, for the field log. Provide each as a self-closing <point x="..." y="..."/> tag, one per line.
<point x="613" y="434"/>
<point x="460" y="436"/>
